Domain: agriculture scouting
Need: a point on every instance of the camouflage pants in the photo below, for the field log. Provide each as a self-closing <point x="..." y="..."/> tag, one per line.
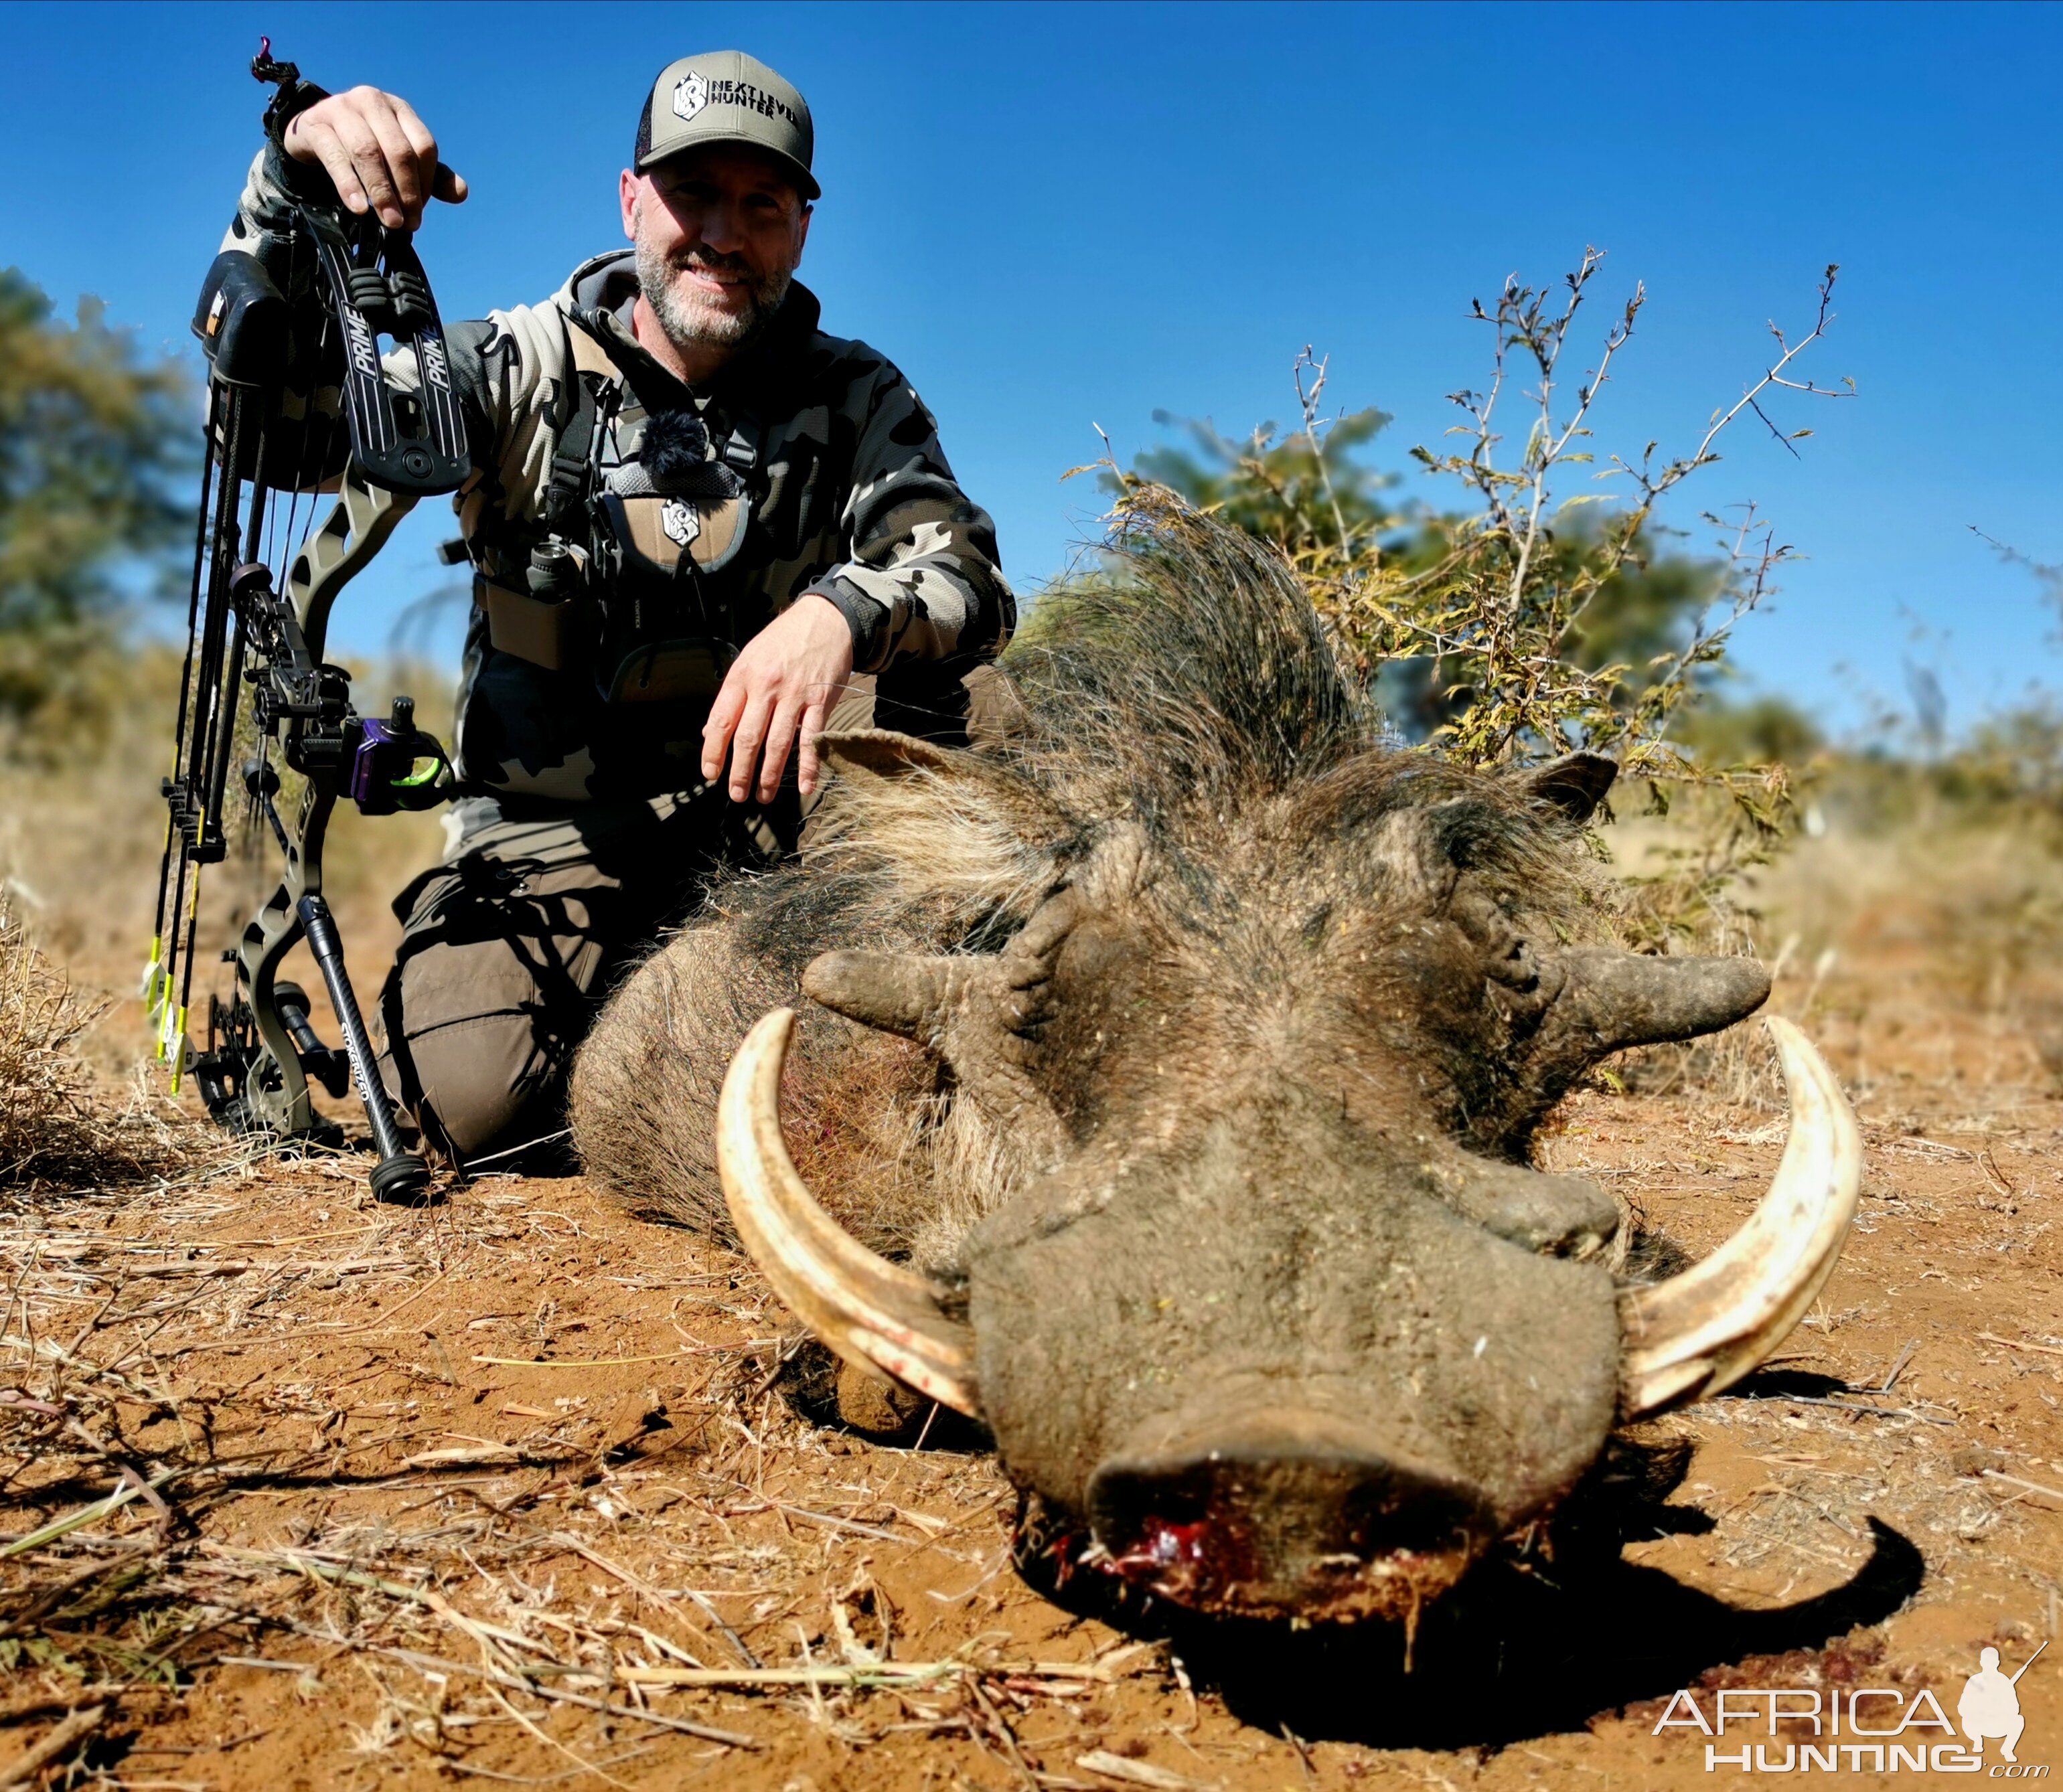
<point x="511" y="944"/>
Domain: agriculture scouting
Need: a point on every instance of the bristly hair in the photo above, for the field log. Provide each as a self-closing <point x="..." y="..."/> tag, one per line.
<point x="1192" y="662"/>
<point x="1191" y="681"/>
<point x="1189" y="675"/>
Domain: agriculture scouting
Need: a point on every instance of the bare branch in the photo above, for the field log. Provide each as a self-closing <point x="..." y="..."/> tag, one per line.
<point x="1309" y="401"/>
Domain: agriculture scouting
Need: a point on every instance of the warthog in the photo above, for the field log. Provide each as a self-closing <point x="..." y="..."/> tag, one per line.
<point x="1185" y="1052"/>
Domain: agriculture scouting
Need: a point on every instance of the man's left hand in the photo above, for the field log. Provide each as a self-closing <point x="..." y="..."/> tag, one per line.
<point x="782" y="684"/>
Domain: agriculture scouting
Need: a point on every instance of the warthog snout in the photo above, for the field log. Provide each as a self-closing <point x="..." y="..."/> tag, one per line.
<point x="1281" y="1506"/>
<point x="1282" y="1382"/>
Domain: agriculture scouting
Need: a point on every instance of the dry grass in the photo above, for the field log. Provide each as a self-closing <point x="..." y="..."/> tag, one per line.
<point x="55" y="1126"/>
<point x="1878" y="932"/>
<point x="79" y="841"/>
<point x="1853" y="921"/>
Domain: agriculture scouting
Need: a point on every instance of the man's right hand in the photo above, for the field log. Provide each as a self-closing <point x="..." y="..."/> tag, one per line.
<point x="381" y="156"/>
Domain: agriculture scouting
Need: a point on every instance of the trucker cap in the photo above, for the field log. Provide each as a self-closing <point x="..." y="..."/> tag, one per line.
<point x="725" y="96"/>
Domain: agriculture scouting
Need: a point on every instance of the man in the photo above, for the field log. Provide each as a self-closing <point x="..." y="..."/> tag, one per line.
<point x="702" y="532"/>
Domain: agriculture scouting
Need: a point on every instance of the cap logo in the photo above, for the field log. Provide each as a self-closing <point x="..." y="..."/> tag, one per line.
<point x="690" y="94"/>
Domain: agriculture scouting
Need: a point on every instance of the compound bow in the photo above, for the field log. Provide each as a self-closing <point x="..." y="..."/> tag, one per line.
<point x="290" y="328"/>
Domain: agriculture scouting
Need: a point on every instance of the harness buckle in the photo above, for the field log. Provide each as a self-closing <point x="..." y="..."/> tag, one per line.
<point x="741" y="450"/>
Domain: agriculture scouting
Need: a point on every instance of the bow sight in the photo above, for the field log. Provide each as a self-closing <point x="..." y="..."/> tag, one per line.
<point x="290" y="326"/>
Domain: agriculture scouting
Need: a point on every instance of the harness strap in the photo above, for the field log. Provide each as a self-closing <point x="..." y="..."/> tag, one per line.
<point x="572" y="453"/>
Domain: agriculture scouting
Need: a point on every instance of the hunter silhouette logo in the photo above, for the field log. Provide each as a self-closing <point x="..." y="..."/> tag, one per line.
<point x="690" y="95"/>
<point x="1877" y="1730"/>
<point x="1989" y="1707"/>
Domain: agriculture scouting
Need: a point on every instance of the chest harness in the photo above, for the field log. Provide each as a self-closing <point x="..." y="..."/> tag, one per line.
<point x="624" y="580"/>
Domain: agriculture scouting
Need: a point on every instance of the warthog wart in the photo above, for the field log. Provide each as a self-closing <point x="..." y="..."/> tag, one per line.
<point x="1164" y="1079"/>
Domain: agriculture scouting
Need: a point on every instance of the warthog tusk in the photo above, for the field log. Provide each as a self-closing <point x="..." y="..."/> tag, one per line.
<point x="1703" y="1330"/>
<point x="877" y="1315"/>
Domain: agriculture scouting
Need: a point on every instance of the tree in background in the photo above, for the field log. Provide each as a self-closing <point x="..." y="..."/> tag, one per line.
<point x="1532" y="620"/>
<point x="1300" y="492"/>
<point x="94" y="435"/>
<point x="1307" y="491"/>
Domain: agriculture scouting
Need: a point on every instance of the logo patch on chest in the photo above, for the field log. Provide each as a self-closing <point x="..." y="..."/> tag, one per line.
<point x="681" y="522"/>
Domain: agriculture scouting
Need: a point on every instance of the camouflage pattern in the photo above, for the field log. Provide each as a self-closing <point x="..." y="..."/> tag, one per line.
<point x="850" y="497"/>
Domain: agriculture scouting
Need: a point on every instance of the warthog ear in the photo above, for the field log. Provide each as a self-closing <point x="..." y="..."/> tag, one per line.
<point x="943" y="823"/>
<point x="1418" y="868"/>
<point x="873" y="763"/>
<point x="882" y="753"/>
<point x="1575" y="784"/>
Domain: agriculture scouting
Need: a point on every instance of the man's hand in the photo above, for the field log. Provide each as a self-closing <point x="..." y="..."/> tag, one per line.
<point x="381" y="156"/>
<point x="784" y="682"/>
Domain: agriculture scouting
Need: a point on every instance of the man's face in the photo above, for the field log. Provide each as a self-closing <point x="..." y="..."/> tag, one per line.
<point x="719" y="233"/>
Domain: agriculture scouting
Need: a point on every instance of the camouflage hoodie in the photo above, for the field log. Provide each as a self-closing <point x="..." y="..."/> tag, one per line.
<point x="848" y="494"/>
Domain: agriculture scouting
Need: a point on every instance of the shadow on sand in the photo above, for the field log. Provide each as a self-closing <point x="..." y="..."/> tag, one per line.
<point x="1524" y="1647"/>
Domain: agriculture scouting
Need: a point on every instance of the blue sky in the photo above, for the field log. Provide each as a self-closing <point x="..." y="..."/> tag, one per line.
<point x="1057" y="217"/>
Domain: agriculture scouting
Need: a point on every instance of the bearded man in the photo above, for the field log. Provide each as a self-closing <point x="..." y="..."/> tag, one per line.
<point x="702" y="532"/>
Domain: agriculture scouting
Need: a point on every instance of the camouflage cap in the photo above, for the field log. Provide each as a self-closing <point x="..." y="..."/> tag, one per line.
<point x="725" y="96"/>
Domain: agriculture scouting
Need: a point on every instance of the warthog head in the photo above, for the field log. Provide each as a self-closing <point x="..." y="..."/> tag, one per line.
<point x="1233" y="1024"/>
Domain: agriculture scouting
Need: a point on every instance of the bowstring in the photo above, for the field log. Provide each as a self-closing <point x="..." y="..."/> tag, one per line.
<point x="229" y="676"/>
<point x="282" y="543"/>
<point x="207" y="719"/>
<point x="317" y="438"/>
<point x="165" y="930"/>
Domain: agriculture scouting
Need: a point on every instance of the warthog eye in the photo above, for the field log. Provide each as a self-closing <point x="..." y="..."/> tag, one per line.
<point x="1509" y="960"/>
<point x="1516" y="970"/>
